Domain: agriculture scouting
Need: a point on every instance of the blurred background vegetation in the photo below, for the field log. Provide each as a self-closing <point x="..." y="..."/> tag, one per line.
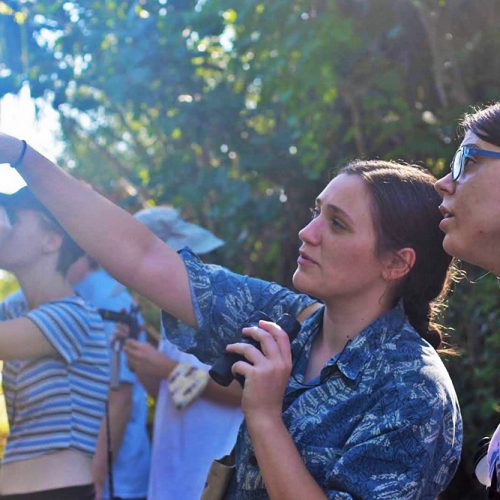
<point x="238" y="112"/>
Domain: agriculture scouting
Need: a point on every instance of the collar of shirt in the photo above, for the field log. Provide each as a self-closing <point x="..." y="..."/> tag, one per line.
<point x="356" y="353"/>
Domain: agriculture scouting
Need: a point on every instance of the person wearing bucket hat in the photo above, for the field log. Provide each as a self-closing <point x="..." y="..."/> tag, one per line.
<point x="191" y="427"/>
<point x="359" y="404"/>
<point x="52" y="343"/>
<point x="166" y="223"/>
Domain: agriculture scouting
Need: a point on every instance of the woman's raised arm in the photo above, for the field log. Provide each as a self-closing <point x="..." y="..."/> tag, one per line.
<point x="122" y="245"/>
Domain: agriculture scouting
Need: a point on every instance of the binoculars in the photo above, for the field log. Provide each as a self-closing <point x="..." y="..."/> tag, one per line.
<point x="221" y="371"/>
<point x="131" y="320"/>
<point x="127" y="318"/>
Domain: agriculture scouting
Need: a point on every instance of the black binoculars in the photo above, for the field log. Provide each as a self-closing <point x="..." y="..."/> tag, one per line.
<point x="131" y="320"/>
<point x="221" y="371"/>
<point x="127" y="318"/>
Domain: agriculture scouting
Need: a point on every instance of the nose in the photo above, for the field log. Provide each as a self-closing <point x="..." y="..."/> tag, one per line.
<point x="311" y="233"/>
<point x="445" y="185"/>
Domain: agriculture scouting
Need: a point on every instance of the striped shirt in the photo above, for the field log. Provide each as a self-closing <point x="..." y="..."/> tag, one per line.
<point x="55" y="403"/>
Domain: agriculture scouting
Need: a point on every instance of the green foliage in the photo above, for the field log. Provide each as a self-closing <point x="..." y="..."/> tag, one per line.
<point x="8" y="284"/>
<point x="475" y="316"/>
<point x="238" y="112"/>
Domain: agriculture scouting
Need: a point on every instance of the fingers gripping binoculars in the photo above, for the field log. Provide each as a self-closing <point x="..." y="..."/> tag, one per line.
<point x="221" y="371"/>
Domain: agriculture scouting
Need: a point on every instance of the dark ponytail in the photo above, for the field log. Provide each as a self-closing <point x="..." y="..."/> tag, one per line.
<point x="421" y="313"/>
<point x="406" y="214"/>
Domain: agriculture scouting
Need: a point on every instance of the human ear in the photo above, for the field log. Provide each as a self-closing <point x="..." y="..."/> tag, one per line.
<point x="52" y="241"/>
<point x="398" y="264"/>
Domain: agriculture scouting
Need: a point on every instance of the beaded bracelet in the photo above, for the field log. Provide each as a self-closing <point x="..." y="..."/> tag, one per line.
<point x="18" y="162"/>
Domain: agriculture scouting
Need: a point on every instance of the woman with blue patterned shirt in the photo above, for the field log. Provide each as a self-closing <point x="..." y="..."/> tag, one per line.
<point x="55" y="354"/>
<point x="360" y="405"/>
<point x="471" y="217"/>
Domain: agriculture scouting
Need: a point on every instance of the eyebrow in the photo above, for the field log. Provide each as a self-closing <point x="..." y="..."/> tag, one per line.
<point x="335" y="209"/>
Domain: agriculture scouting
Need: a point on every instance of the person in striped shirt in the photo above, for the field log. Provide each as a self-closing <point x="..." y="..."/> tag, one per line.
<point x="56" y="363"/>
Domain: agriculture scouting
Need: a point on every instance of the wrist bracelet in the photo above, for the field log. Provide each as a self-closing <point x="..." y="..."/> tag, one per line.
<point x="18" y="162"/>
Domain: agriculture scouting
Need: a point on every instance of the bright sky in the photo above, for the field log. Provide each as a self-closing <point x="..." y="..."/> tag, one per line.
<point x="19" y="118"/>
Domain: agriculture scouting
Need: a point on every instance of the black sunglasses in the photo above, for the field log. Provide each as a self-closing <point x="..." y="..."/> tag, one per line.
<point x="463" y="155"/>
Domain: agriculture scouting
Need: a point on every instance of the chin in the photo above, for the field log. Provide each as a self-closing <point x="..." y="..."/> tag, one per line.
<point x="302" y="284"/>
<point x="463" y="252"/>
<point x="451" y="248"/>
<point x="296" y="279"/>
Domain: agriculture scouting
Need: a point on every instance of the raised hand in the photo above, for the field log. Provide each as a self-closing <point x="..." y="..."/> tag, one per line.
<point x="10" y="148"/>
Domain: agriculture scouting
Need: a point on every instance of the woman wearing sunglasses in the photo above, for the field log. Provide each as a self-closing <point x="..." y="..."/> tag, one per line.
<point x="471" y="214"/>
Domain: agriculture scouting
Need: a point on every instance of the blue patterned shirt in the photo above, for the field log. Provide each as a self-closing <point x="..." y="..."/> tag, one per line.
<point x="381" y="421"/>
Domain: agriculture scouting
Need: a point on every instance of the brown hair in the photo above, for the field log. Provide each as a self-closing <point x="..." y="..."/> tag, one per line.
<point x="69" y="252"/>
<point x="406" y="214"/>
<point x="485" y="123"/>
